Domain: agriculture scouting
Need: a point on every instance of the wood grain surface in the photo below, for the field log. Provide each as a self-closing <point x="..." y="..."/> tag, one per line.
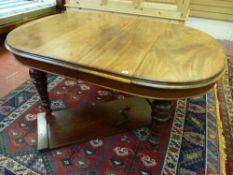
<point x="125" y="49"/>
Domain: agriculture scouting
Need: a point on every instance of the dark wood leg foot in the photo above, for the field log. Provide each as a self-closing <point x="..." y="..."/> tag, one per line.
<point x="161" y="111"/>
<point x="39" y="79"/>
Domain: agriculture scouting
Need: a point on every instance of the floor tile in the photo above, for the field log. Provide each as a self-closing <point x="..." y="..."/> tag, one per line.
<point x="218" y="29"/>
<point x="12" y="74"/>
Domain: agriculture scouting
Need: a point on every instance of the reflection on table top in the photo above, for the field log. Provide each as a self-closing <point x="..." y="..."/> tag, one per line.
<point x="126" y="49"/>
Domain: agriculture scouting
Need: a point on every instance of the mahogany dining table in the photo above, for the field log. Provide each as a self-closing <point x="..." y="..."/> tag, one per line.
<point x="153" y="62"/>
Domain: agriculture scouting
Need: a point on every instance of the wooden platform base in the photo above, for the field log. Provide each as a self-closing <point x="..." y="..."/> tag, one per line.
<point x="78" y="125"/>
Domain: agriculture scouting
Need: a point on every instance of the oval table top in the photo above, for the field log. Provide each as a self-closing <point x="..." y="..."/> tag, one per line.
<point x="122" y="48"/>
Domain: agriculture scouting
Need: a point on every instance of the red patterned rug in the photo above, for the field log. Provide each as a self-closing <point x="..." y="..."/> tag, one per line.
<point x="192" y="143"/>
<point x="225" y="96"/>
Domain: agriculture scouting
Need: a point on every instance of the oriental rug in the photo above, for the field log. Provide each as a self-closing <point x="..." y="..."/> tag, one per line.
<point x="191" y="144"/>
<point x="225" y="96"/>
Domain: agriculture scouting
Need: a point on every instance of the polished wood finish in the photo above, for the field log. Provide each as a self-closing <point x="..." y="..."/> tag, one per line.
<point x="128" y="88"/>
<point x="78" y="125"/>
<point x="124" y="49"/>
<point x="161" y="113"/>
<point x="136" y="56"/>
<point x="39" y="79"/>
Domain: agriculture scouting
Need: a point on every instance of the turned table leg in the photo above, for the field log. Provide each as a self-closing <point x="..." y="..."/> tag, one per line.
<point x="39" y="79"/>
<point x="161" y="110"/>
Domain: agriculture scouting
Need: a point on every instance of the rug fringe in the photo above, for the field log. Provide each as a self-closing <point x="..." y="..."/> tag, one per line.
<point x="222" y="142"/>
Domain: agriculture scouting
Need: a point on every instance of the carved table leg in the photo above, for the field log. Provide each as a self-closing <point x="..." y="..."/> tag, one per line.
<point x="161" y="110"/>
<point x="39" y="79"/>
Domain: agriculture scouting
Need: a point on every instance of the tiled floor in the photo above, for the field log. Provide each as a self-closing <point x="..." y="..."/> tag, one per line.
<point x="12" y="74"/>
<point x="221" y="30"/>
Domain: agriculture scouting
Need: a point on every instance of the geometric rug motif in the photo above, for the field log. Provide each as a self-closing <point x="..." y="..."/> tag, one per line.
<point x="191" y="142"/>
<point x="225" y="94"/>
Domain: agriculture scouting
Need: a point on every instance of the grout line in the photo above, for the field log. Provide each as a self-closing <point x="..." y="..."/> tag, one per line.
<point x="11" y="75"/>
